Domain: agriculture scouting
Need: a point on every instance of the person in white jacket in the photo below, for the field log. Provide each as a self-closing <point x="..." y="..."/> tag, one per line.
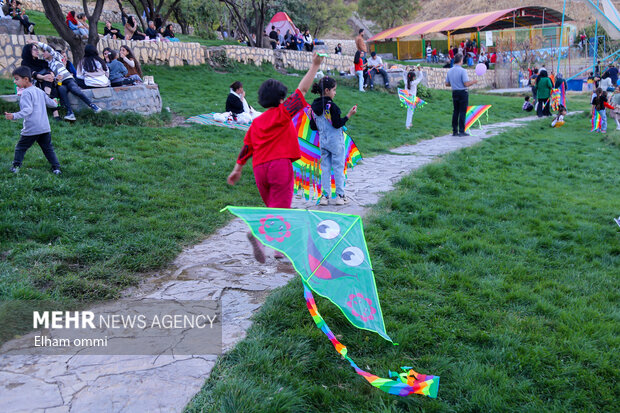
<point x="92" y="70"/>
<point x="412" y="78"/>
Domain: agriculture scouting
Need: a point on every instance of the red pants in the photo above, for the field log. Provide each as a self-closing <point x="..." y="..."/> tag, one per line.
<point x="274" y="180"/>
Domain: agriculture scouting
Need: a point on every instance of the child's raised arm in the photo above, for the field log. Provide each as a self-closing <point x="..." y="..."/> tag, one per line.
<point x="306" y="82"/>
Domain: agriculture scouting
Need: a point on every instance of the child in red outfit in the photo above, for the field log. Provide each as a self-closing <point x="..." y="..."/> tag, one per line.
<point x="272" y="141"/>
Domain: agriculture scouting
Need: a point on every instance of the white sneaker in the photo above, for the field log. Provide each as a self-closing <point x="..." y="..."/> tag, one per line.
<point x="70" y="116"/>
<point x="341" y="200"/>
<point x="323" y="200"/>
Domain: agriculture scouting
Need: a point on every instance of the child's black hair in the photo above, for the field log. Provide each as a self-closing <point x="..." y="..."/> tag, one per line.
<point x="23" y="71"/>
<point x="271" y="92"/>
<point x="410" y="77"/>
<point x="527" y="98"/>
<point x="112" y="55"/>
<point x="318" y="88"/>
<point x="561" y="109"/>
<point x="236" y="85"/>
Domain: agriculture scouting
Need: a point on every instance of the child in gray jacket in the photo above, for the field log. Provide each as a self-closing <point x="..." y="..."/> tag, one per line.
<point x="36" y="128"/>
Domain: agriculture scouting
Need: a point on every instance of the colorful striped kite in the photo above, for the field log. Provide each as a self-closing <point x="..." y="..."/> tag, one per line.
<point x="555" y="98"/>
<point x="328" y="250"/>
<point x="307" y="170"/>
<point x="597" y="122"/>
<point x="474" y="113"/>
<point x="409" y="101"/>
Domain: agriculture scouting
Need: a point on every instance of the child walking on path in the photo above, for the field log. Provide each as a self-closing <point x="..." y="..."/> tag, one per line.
<point x="272" y="141"/>
<point x="411" y="83"/>
<point x="36" y="128"/>
<point x="326" y="119"/>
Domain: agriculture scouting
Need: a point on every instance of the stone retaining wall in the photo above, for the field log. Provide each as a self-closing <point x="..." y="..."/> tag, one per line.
<point x="435" y="76"/>
<point x="148" y="52"/>
<point x="10" y="26"/>
<point x="141" y="99"/>
<point x="284" y="58"/>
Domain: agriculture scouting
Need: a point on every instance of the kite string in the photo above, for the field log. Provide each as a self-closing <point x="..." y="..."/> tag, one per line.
<point x="404" y="384"/>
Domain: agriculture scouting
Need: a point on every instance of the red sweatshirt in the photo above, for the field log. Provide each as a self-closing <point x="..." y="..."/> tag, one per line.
<point x="272" y="134"/>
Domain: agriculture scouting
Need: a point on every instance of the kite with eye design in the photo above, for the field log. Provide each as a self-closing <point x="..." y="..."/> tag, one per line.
<point x="329" y="252"/>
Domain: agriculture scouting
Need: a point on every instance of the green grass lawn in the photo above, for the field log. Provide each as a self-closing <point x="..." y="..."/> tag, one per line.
<point x="498" y="271"/>
<point x="90" y="232"/>
<point x="496" y="267"/>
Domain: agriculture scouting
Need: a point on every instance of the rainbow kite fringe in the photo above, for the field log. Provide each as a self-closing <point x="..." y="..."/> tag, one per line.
<point x="597" y="122"/>
<point x="409" y="101"/>
<point x="474" y="113"/>
<point x="556" y="97"/>
<point x="403" y="384"/>
<point x="307" y="170"/>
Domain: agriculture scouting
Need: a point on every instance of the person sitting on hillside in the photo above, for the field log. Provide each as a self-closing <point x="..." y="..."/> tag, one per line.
<point x="68" y="63"/>
<point x="126" y="57"/>
<point x="131" y="30"/>
<point x="375" y="67"/>
<point x="169" y="33"/>
<point x="72" y="23"/>
<point x="308" y="43"/>
<point x="338" y="49"/>
<point x="17" y="13"/>
<point x="238" y="106"/>
<point x="118" y="71"/>
<point x="110" y="31"/>
<point x="527" y="105"/>
<point x="92" y="71"/>
<point x="151" y="32"/>
<point x="299" y="40"/>
<point x="82" y="25"/>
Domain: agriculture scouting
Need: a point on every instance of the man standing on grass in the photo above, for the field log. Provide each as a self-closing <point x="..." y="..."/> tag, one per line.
<point x="458" y="80"/>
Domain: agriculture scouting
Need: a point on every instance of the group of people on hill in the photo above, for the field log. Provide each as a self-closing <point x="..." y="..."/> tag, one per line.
<point x="12" y="9"/>
<point x="54" y="73"/>
<point x="46" y="74"/>
<point x="291" y="40"/>
<point x="366" y="68"/>
<point x="156" y="29"/>
<point x="541" y="84"/>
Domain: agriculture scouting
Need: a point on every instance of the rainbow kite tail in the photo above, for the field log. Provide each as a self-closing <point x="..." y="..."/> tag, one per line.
<point x="597" y="122"/>
<point x="402" y="384"/>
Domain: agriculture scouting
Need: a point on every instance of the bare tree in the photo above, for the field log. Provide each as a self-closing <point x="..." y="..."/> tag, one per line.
<point x="242" y="11"/>
<point x="152" y="9"/>
<point x="55" y="15"/>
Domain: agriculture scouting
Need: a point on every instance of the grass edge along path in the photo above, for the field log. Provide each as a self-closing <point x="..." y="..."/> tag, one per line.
<point x="148" y="177"/>
<point x="495" y="269"/>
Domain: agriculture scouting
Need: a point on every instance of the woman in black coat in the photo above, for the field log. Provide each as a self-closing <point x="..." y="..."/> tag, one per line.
<point x="41" y="74"/>
<point x="233" y="101"/>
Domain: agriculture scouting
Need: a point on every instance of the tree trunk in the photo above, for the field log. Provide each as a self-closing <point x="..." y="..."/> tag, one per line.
<point x="235" y="13"/>
<point x="93" y="20"/>
<point x="55" y="15"/>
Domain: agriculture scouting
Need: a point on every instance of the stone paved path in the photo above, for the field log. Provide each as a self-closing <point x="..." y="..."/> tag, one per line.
<point x="219" y="267"/>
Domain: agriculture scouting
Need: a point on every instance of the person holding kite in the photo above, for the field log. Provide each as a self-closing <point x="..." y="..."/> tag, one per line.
<point x="411" y="82"/>
<point x="272" y="141"/>
<point x="325" y="118"/>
